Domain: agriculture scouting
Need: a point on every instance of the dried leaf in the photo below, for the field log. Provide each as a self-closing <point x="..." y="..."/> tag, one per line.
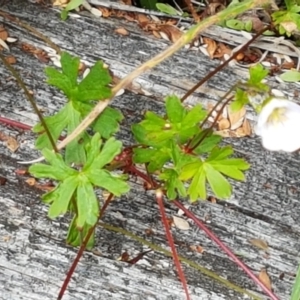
<point x="172" y="32"/>
<point x="236" y="118"/>
<point x="198" y="249"/>
<point x="261" y="244"/>
<point x="156" y="34"/>
<point x="141" y="18"/>
<point x="21" y="172"/>
<point x="11" y="59"/>
<point x="181" y="223"/>
<point x="4" y="45"/>
<point x="3" y="34"/>
<point x="264" y="278"/>
<point x="149" y="232"/>
<point x="45" y="187"/>
<point x="247" y="128"/>
<point x="3" y="180"/>
<point x="31" y="181"/>
<point x="211" y="46"/>
<point x="223" y="124"/>
<point x="105" y="12"/>
<point x="222" y="49"/>
<point x="12" y="144"/>
<point x="289" y="26"/>
<point x="122" y="31"/>
<point x="124" y="256"/>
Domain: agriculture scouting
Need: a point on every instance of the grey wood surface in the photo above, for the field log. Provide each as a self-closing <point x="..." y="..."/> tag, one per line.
<point x="33" y="255"/>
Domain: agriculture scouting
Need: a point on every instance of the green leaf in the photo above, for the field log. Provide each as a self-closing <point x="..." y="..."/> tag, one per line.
<point x="207" y="144"/>
<point x="167" y="9"/>
<point x="95" y="85"/>
<point x="63" y="195"/>
<point x="197" y="188"/>
<point x="193" y="117"/>
<point x="156" y="157"/>
<point x="108" y="152"/>
<point x="75" y="152"/>
<point x="220" y="153"/>
<point x="59" y="80"/>
<point x="56" y="125"/>
<point x="104" y="179"/>
<point x="73" y="4"/>
<point x="70" y="67"/>
<point x="92" y="87"/>
<point x="257" y="74"/>
<point x="64" y="14"/>
<point x="108" y="122"/>
<point x="153" y="122"/>
<point x="75" y="236"/>
<point x="87" y="203"/>
<point x="175" y="110"/>
<point x="248" y="26"/>
<point x="92" y="150"/>
<point x="148" y="4"/>
<point x="57" y="169"/>
<point x="219" y="185"/>
<point x="240" y="100"/>
<point x="210" y="171"/>
<point x="235" y="24"/>
<point x="173" y="184"/>
<point x="290" y="76"/>
<point x="296" y="287"/>
<point x="190" y="169"/>
<point x="144" y="155"/>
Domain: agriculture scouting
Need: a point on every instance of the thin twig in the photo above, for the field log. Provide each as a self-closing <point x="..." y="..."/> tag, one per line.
<point x="30" y="100"/>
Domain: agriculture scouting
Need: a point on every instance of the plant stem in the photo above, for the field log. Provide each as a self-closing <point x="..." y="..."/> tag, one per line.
<point x="30" y="100"/>
<point x="224" y="64"/>
<point x="226" y="250"/>
<point x="82" y="248"/>
<point x="159" y="199"/>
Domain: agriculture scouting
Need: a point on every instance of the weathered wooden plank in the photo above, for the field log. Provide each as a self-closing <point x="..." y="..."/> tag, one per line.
<point x="34" y="257"/>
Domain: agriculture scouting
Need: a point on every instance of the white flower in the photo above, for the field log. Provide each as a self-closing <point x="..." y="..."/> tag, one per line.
<point x="279" y="125"/>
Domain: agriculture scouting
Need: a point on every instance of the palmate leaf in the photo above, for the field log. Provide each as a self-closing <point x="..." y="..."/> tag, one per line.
<point x="180" y="124"/>
<point x="80" y="94"/>
<point x="95" y="85"/>
<point x="212" y="171"/>
<point x="108" y="122"/>
<point x="78" y="185"/>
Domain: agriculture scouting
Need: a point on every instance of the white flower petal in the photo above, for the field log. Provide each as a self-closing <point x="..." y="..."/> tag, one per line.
<point x="278" y="125"/>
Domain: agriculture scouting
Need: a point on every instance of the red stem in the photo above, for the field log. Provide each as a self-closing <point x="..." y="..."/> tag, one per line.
<point x="18" y="125"/>
<point x="15" y="124"/>
<point x="213" y="237"/>
<point x="81" y="250"/>
<point x="159" y="199"/>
